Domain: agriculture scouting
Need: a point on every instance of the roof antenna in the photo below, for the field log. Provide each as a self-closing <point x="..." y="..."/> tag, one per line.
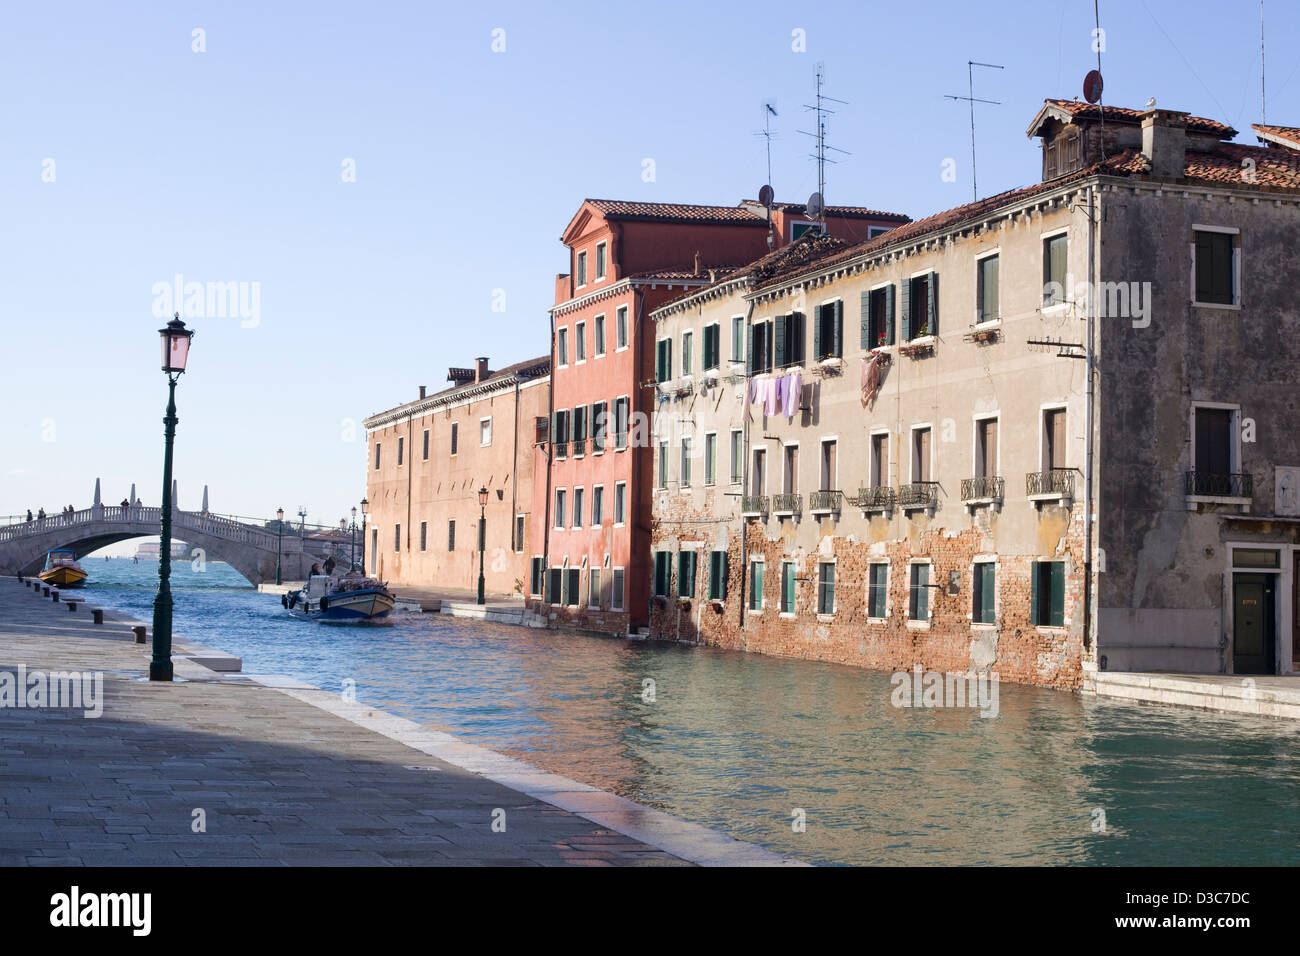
<point x="970" y="82"/>
<point x="1097" y="42"/>
<point x="765" y="194"/>
<point x="816" y="202"/>
<point x="1263" y="96"/>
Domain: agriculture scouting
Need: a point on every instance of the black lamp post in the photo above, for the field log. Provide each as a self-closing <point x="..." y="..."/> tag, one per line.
<point x="279" y="539"/>
<point x="365" y="510"/>
<point x="482" y="539"/>
<point x="352" y="560"/>
<point x="175" y="353"/>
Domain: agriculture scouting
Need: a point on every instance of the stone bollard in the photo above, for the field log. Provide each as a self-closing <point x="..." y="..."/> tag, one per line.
<point x="139" y="634"/>
<point x="55" y="597"/>
<point x="72" y="606"/>
<point x="98" y="616"/>
<point x="47" y="592"/>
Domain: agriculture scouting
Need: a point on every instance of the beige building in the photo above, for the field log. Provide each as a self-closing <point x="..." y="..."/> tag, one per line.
<point x="429" y="459"/>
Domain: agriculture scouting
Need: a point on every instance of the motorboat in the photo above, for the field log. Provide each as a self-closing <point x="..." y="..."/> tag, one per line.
<point x="352" y="598"/>
<point x="62" y="570"/>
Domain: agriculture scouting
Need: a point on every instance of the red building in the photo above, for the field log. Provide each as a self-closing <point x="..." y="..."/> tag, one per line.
<point x="590" y="561"/>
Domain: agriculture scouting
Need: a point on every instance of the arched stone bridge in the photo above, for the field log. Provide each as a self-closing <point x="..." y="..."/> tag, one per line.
<point x="248" y="548"/>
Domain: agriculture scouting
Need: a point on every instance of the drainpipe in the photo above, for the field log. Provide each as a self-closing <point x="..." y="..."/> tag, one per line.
<point x="514" y="474"/>
<point x="550" y="445"/>
<point x="744" y="472"/>
<point x="1089" y="417"/>
<point x="410" y="476"/>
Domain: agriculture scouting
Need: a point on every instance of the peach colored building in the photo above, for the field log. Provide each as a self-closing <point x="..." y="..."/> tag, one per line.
<point x="427" y="460"/>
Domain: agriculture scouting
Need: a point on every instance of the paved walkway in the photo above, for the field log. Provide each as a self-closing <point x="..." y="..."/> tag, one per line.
<point x="284" y="774"/>
<point x="1260" y="695"/>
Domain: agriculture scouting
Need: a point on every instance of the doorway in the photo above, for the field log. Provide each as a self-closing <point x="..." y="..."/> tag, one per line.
<point x="1254" y="617"/>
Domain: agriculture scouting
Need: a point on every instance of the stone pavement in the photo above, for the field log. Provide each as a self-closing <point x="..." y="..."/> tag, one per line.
<point x="283" y="773"/>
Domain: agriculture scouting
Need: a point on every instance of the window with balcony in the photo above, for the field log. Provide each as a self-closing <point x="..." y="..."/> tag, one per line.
<point x="1216" y="454"/>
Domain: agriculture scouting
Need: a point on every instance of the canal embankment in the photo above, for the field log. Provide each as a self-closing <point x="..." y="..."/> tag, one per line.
<point x="223" y="767"/>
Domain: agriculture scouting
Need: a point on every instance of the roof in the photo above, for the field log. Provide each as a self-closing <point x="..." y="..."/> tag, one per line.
<point x="1121" y="114"/>
<point x="528" y="369"/>
<point x="675" y="212"/>
<point x="1288" y="136"/>
<point x="685" y="274"/>
<point x="842" y="212"/>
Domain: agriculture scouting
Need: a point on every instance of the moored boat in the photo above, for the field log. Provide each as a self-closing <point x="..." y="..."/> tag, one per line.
<point x="62" y="570"/>
<point x="350" y="599"/>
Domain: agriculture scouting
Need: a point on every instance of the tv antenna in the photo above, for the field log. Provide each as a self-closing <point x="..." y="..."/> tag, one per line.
<point x="766" y="132"/>
<point x="970" y="85"/>
<point x="1263" y="94"/>
<point x="817" y="199"/>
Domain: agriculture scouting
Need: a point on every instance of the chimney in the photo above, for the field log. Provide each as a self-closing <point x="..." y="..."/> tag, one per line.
<point x="481" y="369"/>
<point x="1164" y="142"/>
<point x="422" y="391"/>
<point x="698" y="264"/>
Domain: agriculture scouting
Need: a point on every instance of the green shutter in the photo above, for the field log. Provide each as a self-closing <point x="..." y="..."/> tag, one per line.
<point x="1058" y="593"/>
<point x="839" y="329"/>
<point x="905" y="310"/>
<point x="932" y="302"/>
<point x="749" y="355"/>
<point x="668" y="359"/>
<point x="722" y="575"/>
<point x="682" y="559"/>
<point x="867" y="344"/>
<point x="779" y="342"/>
<point x="1033" y="592"/>
<point x="817" y="333"/>
<point x="987" y="592"/>
<point x="659" y="362"/>
<point x="889" y="316"/>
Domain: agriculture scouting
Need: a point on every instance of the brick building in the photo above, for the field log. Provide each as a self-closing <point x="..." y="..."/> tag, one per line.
<point x="877" y="465"/>
<point x="427" y="460"/>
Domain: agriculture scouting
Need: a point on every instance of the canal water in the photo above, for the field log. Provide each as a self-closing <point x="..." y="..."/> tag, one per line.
<point x="752" y="745"/>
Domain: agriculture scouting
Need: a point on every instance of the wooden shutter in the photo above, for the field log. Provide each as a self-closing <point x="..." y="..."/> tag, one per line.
<point x="837" y="347"/>
<point x="866" y="343"/>
<point x="889" y="315"/>
<point x="932" y="303"/>
<point x="1058" y="593"/>
<point x="779" y="357"/>
<point x="749" y="355"/>
<point x="923" y="454"/>
<point x="1056" y="439"/>
<point x="817" y="332"/>
<point x="988" y="590"/>
<point x="905" y="309"/>
<point x="1035" y="572"/>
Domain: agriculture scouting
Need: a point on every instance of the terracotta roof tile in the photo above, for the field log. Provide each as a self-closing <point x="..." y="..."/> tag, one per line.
<point x="846" y="212"/>
<point x="1121" y="114"/>
<point x="1288" y="136"/>
<point x="676" y="212"/>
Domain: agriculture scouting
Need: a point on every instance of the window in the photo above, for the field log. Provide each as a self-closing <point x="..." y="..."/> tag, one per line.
<point x="686" y="463"/>
<point x="756" y="585"/>
<point x="424" y="535"/>
<point x="686" y="574"/>
<point x="983" y="591"/>
<point x="1214" y="260"/>
<point x="401" y="451"/>
<point x="986" y="295"/>
<point x="600" y="335"/>
<point x="830" y="467"/>
<point x="425" y="455"/>
<point x="374" y="541"/>
<point x="580" y="342"/>
<point x="582" y="269"/>
<point x="797" y="229"/>
<point x="620" y="422"/>
<point x="878" y="322"/>
<point x="579" y="425"/>
<point x="828" y="330"/>
<point x="573" y="586"/>
<point x="597" y="505"/>
<point x="397" y="538"/>
<point x="620" y="502"/>
<point x="599" y="426"/>
<point x="593" y="588"/>
<point x="519" y="534"/>
<point x="760" y="347"/>
<point x="663" y="464"/>
<point x="879" y="464"/>
<point x="758" y="474"/>
<point x="578" y="495"/>
<point x="711" y="459"/>
<point x="790" y="471"/>
<point x="877" y="590"/>
<point x="920" y="306"/>
<point x="600" y="260"/>
<point x="1055" y="255"/>
<point x="1054" y="442"/>
<point x="737" y="456"/>
<point x="688" y="341"/>
<point x="738" y="338"/>
<point x="561" y="429"/>
<point x="620" y="330"/>
<point x="455" y="434"/>
<point x="918" y="604"/>
<point x="537" y="577"/>
<point x="377" y="446"/>
<point x="662" y="572"/>
<point x="1047" y="594"/>
<point x="562" y="347"/>
<point x="787" y="340"/>
<point x="712" y="354"/>
<point x="826" y="587"/>
<point x="559" y="507"/>
<point x="920" y="455"/>
<point x="664" y="360"/>
<point x="485" y="432"/>
<point x="1215" y="455"/>
<point x="451" y="535"/>
<point x="717" y="575"/>
<point x="553" y="586"/>
<point x="616" y="590"/>
<point x="787" y="587"/>
<point x="986" y="448"/>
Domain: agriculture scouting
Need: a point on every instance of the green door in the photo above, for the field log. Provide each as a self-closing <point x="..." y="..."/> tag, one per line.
<point x="1254" y="620"/>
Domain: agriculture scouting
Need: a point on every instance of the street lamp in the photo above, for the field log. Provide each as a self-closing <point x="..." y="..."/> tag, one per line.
<point x="365" y="510"/>
<point x="175" y="352"/>
<point x="482" y="535"/>
<point x="352" y="560"/>
<point x="279" y="538"/>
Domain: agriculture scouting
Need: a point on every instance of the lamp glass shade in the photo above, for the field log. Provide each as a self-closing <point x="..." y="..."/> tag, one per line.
<point x="279" y="514"/>
<point x="175" y="346"/>
<point x="482" y="497"/>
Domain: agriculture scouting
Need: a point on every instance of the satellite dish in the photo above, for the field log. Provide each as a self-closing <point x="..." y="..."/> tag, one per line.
<point x="1092" y="86"/>
<point x="815" y="206"/>
<point x="765" y="195"/>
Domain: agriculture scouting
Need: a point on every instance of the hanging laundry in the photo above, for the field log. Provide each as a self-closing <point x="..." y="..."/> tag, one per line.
<point x="873" y="374"/>
<point x="793" y="393"/>
<point x="773" y="406"/>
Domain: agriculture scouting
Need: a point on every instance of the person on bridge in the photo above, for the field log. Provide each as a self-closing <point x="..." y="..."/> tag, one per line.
<point x="125" y="503"/>
<point x="40" y="515"/>
<point x="29" y="515"/>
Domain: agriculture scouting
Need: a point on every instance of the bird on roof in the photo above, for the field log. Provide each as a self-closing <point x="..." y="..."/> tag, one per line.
<point x="1151" y="103"/>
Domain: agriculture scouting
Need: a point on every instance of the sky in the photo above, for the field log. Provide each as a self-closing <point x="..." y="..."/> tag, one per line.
<point x="375" y="177"/>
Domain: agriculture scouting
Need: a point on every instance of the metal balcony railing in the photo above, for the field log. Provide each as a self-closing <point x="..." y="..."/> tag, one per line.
<point x="579" y="447"/>
<point x="753" y="504"/>
<point x="918" y="494"/>
<point x="1058" y="481"/>
<point x="826" y="500"/>
<point x="561" y="449"/>
<point x="1214" y="485"/>
<point x="787" y="504"/>
<point x="875" y="498"/>
<point x="985" y="487"/>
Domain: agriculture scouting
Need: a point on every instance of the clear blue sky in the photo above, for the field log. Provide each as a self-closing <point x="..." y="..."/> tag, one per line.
<point x="226" y="166"/>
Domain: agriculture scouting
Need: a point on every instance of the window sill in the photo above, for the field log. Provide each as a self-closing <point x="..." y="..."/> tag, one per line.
<point x="825" y="618"/>
<point x="877" y="620"/>
<point x="787" y="615"/>
<point x="1241" y="503"/>
<point x="1055" y="308"/>
<point x="918" y="625"/>
<point x="1229" y="306"/>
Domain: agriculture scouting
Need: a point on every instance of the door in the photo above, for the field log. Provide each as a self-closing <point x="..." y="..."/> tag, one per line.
<point x="1254" y="620"/>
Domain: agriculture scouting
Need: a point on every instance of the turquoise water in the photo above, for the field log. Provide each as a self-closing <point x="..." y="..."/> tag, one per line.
<point x="741" y="742"/>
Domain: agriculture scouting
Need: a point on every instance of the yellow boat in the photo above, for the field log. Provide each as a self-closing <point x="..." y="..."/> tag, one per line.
<point x="62" y="570"/>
